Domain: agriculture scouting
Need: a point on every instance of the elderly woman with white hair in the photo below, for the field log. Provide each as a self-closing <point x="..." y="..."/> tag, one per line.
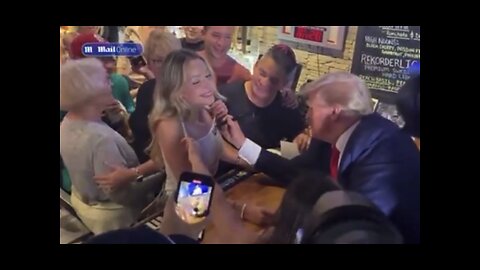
<point x="88" y="146"/>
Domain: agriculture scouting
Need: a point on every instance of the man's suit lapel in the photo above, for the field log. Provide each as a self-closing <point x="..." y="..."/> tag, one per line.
<point x="356" y="144"/>
<point x="364" y="137"/>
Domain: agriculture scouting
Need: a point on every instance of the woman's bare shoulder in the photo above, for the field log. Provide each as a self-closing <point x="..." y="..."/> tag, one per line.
<point x="169" y="128"/>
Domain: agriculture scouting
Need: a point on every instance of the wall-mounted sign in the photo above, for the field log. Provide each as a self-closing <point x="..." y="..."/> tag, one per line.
<point x="332" y="37"/>
<point x="386" y="57"/>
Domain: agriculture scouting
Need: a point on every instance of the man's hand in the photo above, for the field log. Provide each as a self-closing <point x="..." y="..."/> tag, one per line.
<point x="232" y="132"/>
<point x="303" y="141"/>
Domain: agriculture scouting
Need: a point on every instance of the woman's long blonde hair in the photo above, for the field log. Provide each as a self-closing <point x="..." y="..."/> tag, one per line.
<point x="167" y="101"/>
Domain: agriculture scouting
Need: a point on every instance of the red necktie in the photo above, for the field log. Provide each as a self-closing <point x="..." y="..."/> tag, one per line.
<point x="334" y="162"/>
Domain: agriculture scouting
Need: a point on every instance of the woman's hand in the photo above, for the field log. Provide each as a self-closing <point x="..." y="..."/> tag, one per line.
<point x="258" y="215"/>
<point x="115" y="108"/>
<point x="145" y="71"/>
<point x="229" y="228"/>
<point x="219" y="110"/>
<point x="117" y="177"/>
<point x="173" y="224"/>
<point x="254" y="214"/>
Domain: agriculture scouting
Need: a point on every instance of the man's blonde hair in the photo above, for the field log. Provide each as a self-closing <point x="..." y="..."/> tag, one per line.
<point x="81" y="80"/>
<point x="342" y="88"/>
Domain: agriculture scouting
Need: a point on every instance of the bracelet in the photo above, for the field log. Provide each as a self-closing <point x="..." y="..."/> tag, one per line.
<point x="242" y="213"/>
<point x="137" y="172"/>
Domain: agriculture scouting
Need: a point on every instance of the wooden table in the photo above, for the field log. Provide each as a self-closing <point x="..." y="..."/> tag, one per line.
<point x="256" y="190"/>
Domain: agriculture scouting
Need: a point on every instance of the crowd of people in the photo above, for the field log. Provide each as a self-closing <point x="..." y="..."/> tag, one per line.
<point x="197" y="109"/>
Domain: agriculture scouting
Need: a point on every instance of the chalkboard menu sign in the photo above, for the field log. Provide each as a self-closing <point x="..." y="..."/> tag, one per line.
<point x="384" y="57"/>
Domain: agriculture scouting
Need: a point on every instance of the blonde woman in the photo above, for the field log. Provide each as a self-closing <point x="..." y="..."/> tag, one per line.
<point x="158" y="45"/>
<point x="138" y="34"/>
<point x="88" y="146"/>
<point x="187" y="104"/>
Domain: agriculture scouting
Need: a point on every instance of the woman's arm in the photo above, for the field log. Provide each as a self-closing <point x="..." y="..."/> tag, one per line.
<point x="228" y="225"/>
<point x="144" y="169"/>
<point x="169" y="137"/>
<point x="119" y="174"/>
<point x="224" y="217"/>
<point x="230" y="154"/>
<point x="138" y="120"/>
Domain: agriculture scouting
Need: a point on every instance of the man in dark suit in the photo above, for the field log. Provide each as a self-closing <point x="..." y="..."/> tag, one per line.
<point x="362" y="150"/>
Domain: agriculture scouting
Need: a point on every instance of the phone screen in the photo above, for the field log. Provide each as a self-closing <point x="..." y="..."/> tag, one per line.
<point x="194" y="196"/>
<point x="138" y="61"/>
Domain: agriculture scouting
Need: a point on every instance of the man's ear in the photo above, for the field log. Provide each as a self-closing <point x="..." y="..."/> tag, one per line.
<point x="336" y="110"/>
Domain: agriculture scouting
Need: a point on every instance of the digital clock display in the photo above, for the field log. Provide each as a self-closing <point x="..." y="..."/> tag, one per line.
<point x="307" y="33"/>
